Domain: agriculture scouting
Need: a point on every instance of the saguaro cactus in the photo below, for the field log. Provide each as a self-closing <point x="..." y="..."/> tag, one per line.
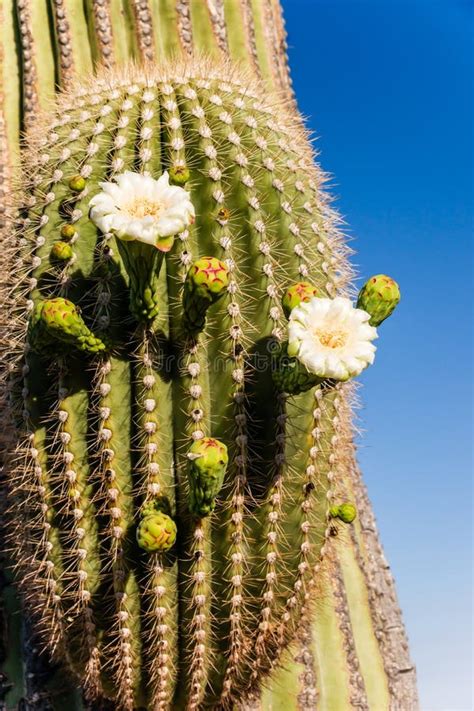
<point x="175" y="503"/>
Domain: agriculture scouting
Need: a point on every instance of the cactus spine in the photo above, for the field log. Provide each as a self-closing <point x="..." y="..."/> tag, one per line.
<point x="251" y="32"/>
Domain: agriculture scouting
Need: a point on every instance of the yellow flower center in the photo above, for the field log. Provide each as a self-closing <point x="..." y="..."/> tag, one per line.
<point x="143" y="207"/>
<point x="331" y="339"/>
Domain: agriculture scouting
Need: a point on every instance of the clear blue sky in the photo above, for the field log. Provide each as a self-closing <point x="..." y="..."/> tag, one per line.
<point x="386" y="86"/>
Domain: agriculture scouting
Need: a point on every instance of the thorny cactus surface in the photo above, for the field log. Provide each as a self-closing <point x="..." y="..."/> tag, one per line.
<point x="118" y="399"/>
<point x="108" y="400"/>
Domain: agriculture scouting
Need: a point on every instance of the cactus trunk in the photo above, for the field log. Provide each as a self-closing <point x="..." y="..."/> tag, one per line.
<point x="226" y="616"/>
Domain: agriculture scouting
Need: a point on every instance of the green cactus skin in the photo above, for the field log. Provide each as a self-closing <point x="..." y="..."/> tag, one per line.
<point x="338" y="662"/>
<point x="379" y="297"/>
<point x="208" y="461"/>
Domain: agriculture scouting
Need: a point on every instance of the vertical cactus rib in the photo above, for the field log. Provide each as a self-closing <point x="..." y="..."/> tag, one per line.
<point x="10" y="104"/>
<point x="191" y="397"/>
<point x="102" y="48"/>
<point x="276" y="43"/>
<point x="154" y="441"/>
<point x="165" y="29"/>
<point x="332" y="679"/>
<point x="185" y="29"/>
<point x="255" y="221"/>
<point x="256" y="21"/>
<point x="203" y="28"/>
<point x="144" y="29"/>
<point x="124" y="36"/>
<point x="358" y="696"/>
<point x="113" y="386"/>
<point x="365" y="643"/>
<point x="41" y="227"/>
<point x="216" y="12"/>
<point x="230" y="417"/>
<point x="72" y="494"/>
<point x="63" y="42"/>
<point x="29" y="65"/>
<point x="240" y="33"/>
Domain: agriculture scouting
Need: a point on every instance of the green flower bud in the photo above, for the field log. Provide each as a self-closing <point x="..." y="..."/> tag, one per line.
<point x="379" y="297"/>
<point x="209" y="277"/>
<point x="345" y="512"/>
<point x="206" y="282"/>
<point x="179" y="174"/>
<point x="208" y="461"/>
<point x="156" y="532"/>
<point x="60" y="320"/>
<point x="77" y="183"/>
<point x="61" y="251"/>
<point x="68" y="231"/>
<point x="295" y="294"/>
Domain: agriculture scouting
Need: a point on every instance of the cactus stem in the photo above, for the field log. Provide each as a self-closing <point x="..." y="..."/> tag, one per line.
<point x="155" y="444"/>
<point x="72" y="494"/>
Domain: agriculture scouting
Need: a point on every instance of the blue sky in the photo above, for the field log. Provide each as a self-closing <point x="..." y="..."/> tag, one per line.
<point x="386" y="86"/>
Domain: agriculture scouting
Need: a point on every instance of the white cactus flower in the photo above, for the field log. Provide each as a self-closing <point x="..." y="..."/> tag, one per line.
<point x="331" y="338"/>
<point x="138" y="207"/>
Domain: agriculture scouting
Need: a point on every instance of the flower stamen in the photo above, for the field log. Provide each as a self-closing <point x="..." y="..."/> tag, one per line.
<point x="143" y="207"/>
<point x="331" y="339"/>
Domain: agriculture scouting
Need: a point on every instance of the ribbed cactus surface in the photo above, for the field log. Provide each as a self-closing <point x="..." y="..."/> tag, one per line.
<point x="118" y="405"/>
<point x="350" y="649"/>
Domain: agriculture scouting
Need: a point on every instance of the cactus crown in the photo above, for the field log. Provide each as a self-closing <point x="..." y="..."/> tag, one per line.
<point x="170" y="359"/>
